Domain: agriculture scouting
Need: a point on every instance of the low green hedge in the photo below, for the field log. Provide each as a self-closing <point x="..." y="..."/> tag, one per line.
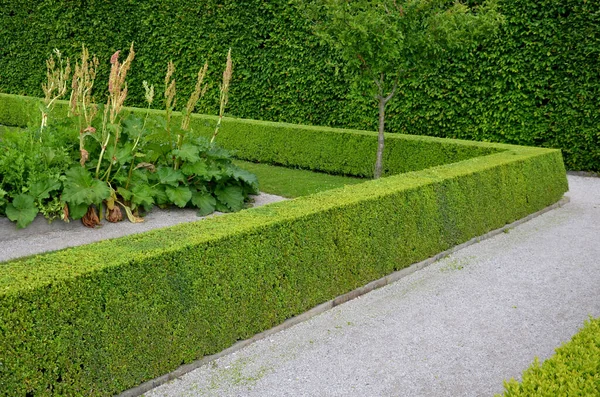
<point x="573" y="371"/>
<point x="336" y="151"/>
<point x="101" y="318"/>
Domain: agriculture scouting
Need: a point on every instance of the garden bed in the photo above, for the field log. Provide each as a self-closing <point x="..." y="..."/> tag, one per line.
<point x="101" y="318"/>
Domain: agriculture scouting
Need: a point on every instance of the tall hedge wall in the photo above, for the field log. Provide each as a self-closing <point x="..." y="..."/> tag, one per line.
<point x="536" y="83"/>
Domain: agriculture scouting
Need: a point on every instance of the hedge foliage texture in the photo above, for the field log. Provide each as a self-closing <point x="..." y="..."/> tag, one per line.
<point x="573" y="371"/>
<point x="101" y="318"/>
<point x="536" y="83"/>
<point x="325" y="149"/>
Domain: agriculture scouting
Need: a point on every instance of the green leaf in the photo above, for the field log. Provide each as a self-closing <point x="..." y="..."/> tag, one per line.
<point x="222" y="207"/>
<point x="133" y="126"/>
<point x="244" y="176"/>
<point x="195" y="168"/>
<point x="231" y="196"/>
<point x="168" y="176"/>
<point x="160" y="196"/>
<point x="202" y="143"/>
<point x="81" y="188"/>
<point x="188" y="152"/>
<point x="124" y="154"/>
<point x="77" y="211"/>
<point x="22" y="210"/>
<point x="143" y="195"/>
<point x="218" y="153"/>
<point x="213" y="172"/>
<point x="3" y="200"/>
<point x="41" y="190"/>
<point x="126" y="194"/>
<point x="205" y="203"/>
<point x="179" y="196"/>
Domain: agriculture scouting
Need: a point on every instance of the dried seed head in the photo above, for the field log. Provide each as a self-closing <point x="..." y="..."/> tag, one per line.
<point x="117" y="87"/>
<point x="114" y="59"/>
<point x="227" y="73"/>
<point x="149" y="92"/>
<point x="170" y="71"/>
<point x="84" y="157"/>
<point x="57" y="76"/>
<point x="199" y="91"/>
<point x="170" y="90"/>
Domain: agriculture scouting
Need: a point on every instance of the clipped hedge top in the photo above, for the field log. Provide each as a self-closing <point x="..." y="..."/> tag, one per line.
<point x="573" y="371"/>
<point x="37" y="271"/>
<point x="335" y="151"/>
<point x="20" y="120"/>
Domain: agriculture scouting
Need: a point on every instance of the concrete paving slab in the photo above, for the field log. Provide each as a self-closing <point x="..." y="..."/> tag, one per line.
<point x="456" y="328"/>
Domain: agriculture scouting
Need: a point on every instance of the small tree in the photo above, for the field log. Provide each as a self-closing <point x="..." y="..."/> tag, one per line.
<point x="389" y="40"/>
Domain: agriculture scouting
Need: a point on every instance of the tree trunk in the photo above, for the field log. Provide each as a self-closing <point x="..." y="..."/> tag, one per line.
<point x="380" y="138"/>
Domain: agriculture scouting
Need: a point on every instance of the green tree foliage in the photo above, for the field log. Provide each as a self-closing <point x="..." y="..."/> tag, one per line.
<point x="389" y="41"/>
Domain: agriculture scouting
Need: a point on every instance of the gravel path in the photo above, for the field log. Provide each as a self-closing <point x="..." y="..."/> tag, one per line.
<point x="456" y="328"/>
<point x="41" y="237"/>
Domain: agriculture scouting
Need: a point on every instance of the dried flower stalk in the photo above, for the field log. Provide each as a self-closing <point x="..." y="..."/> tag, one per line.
<point x="198" y="93"/>
<point x="224" y="88"/>
<point x="57" y="76"/>
<point x="171" y="100"/>
<point x="117" y="92"/>
<point x="81" y="103"/>
<point x="117" y="86"/>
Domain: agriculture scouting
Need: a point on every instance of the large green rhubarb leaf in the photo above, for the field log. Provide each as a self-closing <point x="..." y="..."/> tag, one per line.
<point x="188" y="152"/>
<point x="22" y="210"/>
<point x="244" y="176"/>
<point x="168" y="176"/>
<point x="77" y="211"/>
<point x="143" y="195"/>
<point x="81" y="188"/>
<point x="41" y="190"/>
<point x="195" y="168"/>
<point x="231" y="196"/>
<point x="205" y="203"/>
<point x="179" y="196"/>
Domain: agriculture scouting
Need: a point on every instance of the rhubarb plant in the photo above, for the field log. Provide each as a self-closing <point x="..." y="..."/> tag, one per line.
<point x="90" y="169"/>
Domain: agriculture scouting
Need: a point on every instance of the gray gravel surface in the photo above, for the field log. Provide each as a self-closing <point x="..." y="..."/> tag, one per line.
<point x="456" y="328"/>
<point x="42" y="237"/>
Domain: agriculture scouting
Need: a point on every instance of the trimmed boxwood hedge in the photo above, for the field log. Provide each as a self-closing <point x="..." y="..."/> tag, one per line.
<point x="336" y="151"/>
<point x="573" y="371"/>
<point x="101" y="318"/>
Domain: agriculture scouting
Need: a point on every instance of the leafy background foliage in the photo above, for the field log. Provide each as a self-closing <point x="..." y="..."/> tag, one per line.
<point x="536" y="83"/>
